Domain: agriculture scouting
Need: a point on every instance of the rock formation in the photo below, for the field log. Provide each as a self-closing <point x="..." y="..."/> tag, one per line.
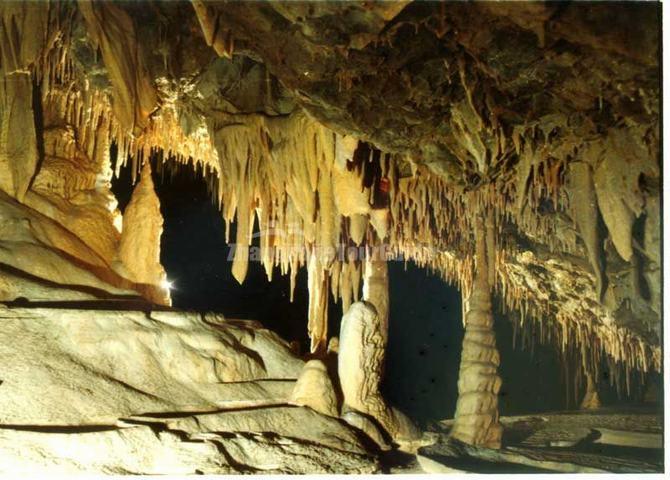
<point x="360" y="367"/>
<point x="314" y="389"/>
<point x="139" y="247"/>
<point x="95" y="375"/>
<point x="591" y="400"/>
<point x="332" y="128"/>
<point x="306" y="150"/>
<point x="376" y="289"/>
<point x="368" y="427"/>
<point x="476" y="418"/>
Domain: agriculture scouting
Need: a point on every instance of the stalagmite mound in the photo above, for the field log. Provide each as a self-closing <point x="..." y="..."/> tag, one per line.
<point x="314" y="389"/>
<point x="512" y="148"/>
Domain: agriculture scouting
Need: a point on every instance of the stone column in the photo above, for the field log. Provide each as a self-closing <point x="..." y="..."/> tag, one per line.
<point x="360" y="368"/>
<point x="476" y="419"/>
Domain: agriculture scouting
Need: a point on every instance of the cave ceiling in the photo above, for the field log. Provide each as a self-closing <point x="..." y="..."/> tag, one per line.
<point x="544" y="114"/>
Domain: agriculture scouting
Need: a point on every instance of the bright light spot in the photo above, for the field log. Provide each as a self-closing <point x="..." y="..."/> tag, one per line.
<point x="167" y="284"/>
<point x="117" y="221"/>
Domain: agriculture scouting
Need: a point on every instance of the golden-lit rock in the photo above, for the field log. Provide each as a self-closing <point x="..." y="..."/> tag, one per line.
<point x="139" y="248"/>
<point x="360" y="369"/>
<point x="314" y="389"/>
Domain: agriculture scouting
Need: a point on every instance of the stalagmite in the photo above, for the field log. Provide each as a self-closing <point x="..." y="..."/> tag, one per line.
<point x="476" y="418"/>
<point x="314" y="389"/>
<point x="591" y="400"/>
<point x="360" y="365"/>
<point x="139" y="249"/>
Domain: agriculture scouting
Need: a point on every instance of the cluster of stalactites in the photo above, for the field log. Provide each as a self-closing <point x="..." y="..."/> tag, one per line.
<point x="558" y="317"/>
<point x="319" y="198"/>
<point x="316" y="197"/>
<point x="313" y="192"/>
<point x="89" y="113"/>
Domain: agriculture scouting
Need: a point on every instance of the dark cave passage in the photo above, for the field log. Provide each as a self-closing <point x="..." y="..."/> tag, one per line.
<point x="425" y="324"/>
<point x="425" y="337"/>
<point x="198" y="262"/>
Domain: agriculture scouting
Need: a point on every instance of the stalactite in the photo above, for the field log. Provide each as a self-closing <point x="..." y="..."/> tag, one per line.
<point x="317" y="322"/>
<point x="114" y="32"/>
<point x="216" y="35"/>
<point x="23" y="27"/>
<point x="585" y="212"/>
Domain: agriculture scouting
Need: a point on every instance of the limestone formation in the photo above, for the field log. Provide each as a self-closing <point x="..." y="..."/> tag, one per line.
<point x="114" y="32"/>
<point x="41" y="250"/>
<point x="309" y="444"/>
<point x="476" y="418"/>
<point x="368" y="427"/>
<point x="95" y="375"/>
<point x="585" y="212"/>
<point x="591" y="400"/>
<point x="345" y="169"/>
<point x="330" y="128"/>
<point x="376" y="290"/>
<point x="97" y="366"/>
<point x="306" y="150"/>
<point x="360" y="367"/>
<point x="139" y="248"/>
<point x="314" y="389"/>
<point x="23" y="25"/>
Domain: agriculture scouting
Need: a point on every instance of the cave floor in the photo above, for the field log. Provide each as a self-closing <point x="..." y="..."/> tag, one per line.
<point x="622" y="440"/>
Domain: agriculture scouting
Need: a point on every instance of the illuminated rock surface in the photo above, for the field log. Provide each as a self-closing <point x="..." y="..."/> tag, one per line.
<point x="314" y="389"/>
<point x="360" y="367"/>
<point x="164" y="392"/>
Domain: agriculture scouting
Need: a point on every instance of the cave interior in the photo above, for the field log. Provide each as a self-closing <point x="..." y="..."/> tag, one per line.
<point x="330" y="237"/>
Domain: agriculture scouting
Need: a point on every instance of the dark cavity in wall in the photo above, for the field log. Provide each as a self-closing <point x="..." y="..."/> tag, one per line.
<point x="197" y="259"/>
<point x="425" y="341"/>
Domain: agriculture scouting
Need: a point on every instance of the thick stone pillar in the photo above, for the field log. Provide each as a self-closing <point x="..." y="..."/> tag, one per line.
<point x="476" y="419"/>
<point x="360" y="368"/>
